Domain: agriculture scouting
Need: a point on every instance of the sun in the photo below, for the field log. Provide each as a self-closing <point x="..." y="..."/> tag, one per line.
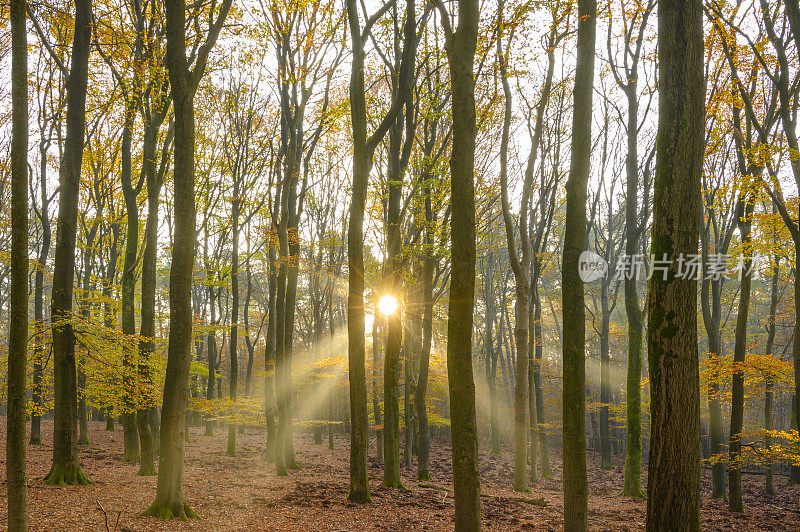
<point x="388" y="305"/>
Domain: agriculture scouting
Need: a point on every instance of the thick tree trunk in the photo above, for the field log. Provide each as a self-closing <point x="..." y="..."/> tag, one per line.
<point x="169" y="501"/>
<point x="16" y="483"/>
<point x="466" y="480"/>
<point x="574" y="363"/>
<point x="673" y="481"/>
<point x="66" y="469"/>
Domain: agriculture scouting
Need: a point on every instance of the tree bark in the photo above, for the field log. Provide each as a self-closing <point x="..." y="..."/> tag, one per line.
<point x="574" y="363"/>
<point x="38" y="298"/>
<point x="673" y="485"/>
<point x="460" y="49"/>
<point x="16" y="482"/>
<point x="363" y="150"/>
<point x="745" y="213"/>
<point x="169" y="501"/>
<point x="66" y="469"/>
<point x="769" y="486"/>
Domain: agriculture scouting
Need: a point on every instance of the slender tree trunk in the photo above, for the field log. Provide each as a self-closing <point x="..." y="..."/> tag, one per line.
<point x="632" y="483"/>
<point x="212" y="345"/>
<point x="574" y="363"/>
<point x="769" y="381"/>
<point x="16" y="482"/>
<point x="466" y="480"/>
<point x="148" y="318"/>
<point x="129" y="352"/>
<point x="735" y="503"/>
<point x="605" y="384"/>
<point x="491" y="352"/>
<point x="376" y="403"/>
<point x="544" y="440"/>
<point x="38" y="300"/>
<point x="673" y="480"/>
<point x="533" y="425"/>
<point x="234" y="382"/>
<point x="248" y="341"/>
<point x="423" y="458"/>
<point x="66" y="469"/>
<point x="269" y="354"/>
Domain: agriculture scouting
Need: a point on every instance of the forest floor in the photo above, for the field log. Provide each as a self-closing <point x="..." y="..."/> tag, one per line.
<point x="243" y="492"/>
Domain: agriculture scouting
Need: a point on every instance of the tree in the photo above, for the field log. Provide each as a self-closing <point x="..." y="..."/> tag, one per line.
<point x="635" y="25"/>
<point x="169" y="501"/>
<point x="18" y="332"/>
<point x="673" y="480"/>
<point x="574" y="364"/>
<point x="520" y="265"/>
<point x="66" y="469"/>
<point x="363" y="151"/>
<point x="460" y="45"/>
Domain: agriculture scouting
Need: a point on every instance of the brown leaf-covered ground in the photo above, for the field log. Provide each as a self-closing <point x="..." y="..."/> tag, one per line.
<point x="243" y="493"/>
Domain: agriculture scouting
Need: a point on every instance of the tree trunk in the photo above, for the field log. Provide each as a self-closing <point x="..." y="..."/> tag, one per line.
<point x="16" y="482"/>
<point x="376" y="402"/>
<point x="66" y="469"/>
<point x="466" y="480"/>
<point x="632" y="483"/>
<point x="169" y="501"/>
<point x="745" y="213"/>
<point x="130" y="192"/>
<point x="673" y="480"/>
<point x="38" y="299"/>
<point x="769" y="379"/>
<point x="269" y="353"/>
<point x="605" y="377"/>
<point x="234" y="381"/>
<point x="574" y="363"/>
<point x="544" y="440"/>
<point x="363" y="150"/>
<point x="148" y="318"/>
<point x="423" y="458"/>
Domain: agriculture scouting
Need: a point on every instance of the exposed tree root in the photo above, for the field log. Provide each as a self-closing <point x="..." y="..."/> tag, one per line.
<point x="359" y="496"/>
<point x="66" y="475"/>
<point x="165" y="512"/>
<point x="147" y="470"/>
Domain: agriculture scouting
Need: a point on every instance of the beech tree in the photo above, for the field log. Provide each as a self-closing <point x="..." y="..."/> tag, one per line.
<point x="169" y="501"/>
<point x="16" y="477"/>
<point x="460" y="46"/>
<point x="65" y="468"/>
<point x="574" y="364"/>
<point x="673" y="478"/>
<point x="363" y="151"/>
